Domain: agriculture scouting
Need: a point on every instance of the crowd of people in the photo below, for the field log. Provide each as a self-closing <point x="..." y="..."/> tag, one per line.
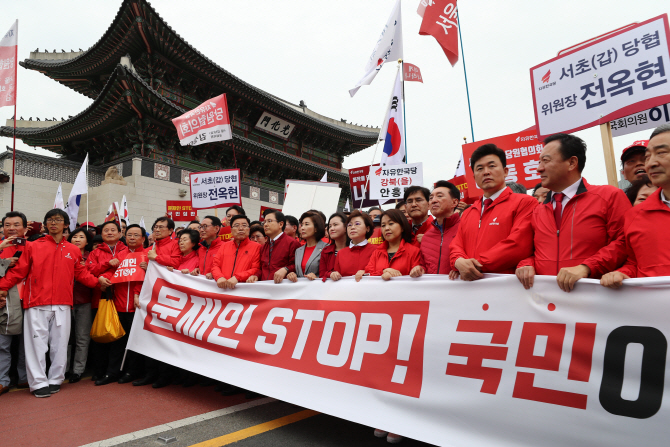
<point x="567" y="228"/>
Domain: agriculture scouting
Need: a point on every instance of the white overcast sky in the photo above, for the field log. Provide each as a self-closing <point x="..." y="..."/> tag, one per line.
<point x="315" y="50"/>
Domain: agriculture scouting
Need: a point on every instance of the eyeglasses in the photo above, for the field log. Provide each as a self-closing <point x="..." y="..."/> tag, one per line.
<point x="55" y="221"/>
<point x="205" y="226"/>
<point x="160" y="227"/>
<point x="269" y="221"/>
<point x="243" y="227"/>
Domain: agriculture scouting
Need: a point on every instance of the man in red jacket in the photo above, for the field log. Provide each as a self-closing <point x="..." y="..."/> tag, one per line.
<point x="165" y="250"/>
<point x="435" y="242"/>
<point x="210" y="244"/>
<point x="416" y="206"/>
<point x="578" y="231"/>
<point x="493" y="234"/>
<point x="49" y="265"/>
<point x="278" y="253"/>
<point x="645" y="227"/>
<point x="239" y="258"/>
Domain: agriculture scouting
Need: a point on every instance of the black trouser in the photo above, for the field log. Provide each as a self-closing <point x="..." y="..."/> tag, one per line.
<point x="157" y="369"/>
<point x="117" y="348"/>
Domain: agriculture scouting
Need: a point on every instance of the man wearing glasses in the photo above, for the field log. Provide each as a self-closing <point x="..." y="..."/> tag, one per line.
<point x="278" y="253"/>
<point x="165" y="250"/>
<point x="210" y="244"/>
<point x="49" y="266"/>
<point x="238" y="259"/>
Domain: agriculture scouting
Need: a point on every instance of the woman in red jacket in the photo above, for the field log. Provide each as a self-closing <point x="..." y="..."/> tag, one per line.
<point x="396" y="256"/>
<point x="337" y="232"/>
<point x="356" y="256"/>
<point x="189" y="243"/>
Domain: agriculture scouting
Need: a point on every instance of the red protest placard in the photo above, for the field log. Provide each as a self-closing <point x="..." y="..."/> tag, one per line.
<point x="180" y="210"/>
<point x="411" y="72"/>
<point x="206" y="123"/>
<point x="461" y="183"/>
<point x="263" y="208"/>
<point x="225" y="234"/>
<point x="360" y="187"/>
<point x="129" y="269"/>
<point x="523" y="155"/>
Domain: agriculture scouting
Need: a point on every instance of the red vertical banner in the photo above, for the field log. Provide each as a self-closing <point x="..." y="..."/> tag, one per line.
<point x="8" y="64"/>
<point x="360" y="187"/>
<point x="440" y="20"/>
<point x="522" y="151"/>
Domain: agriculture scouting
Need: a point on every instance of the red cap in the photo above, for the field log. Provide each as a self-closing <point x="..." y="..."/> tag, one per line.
<point x="642" y="144"/>
<point x="88" y="224"/>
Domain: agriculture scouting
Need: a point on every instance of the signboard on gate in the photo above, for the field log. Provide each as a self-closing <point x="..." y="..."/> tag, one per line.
<point x="215" y="189"/>
<point x="613" y="76"/>
<point x="522" y="151"/>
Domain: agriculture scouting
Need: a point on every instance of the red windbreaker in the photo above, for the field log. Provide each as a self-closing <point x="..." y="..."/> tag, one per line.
<point x="50" y="270"/>
<point x="435" y="245"/>
<point x="350" y="260"/>
<point x="189" y="262"/>
<point x="405" y="259"/>
<point x="98" y="264"/>
<point x="207" y="254"/>
<point x="9" y="252"/>
<point x="499" y="239"/>
<point x="240" y="261"/>
<point x="591" y="232"/>
<point x="427" y="225"/>
<point x="646" y="239"/>
<point x="168" y="252"/>
<point x="124" y="292"/>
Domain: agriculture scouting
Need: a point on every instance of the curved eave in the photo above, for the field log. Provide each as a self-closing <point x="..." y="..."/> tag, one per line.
<point x="122" y="37"/>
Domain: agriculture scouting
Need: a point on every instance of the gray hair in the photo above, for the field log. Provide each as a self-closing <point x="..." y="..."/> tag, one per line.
<point x="517" y="188"/>
<point x="660" y="129"/>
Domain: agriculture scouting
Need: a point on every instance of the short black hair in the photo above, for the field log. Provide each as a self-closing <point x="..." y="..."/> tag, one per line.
<point x="267" y="211"/>
<point x="635" y="188"/>
<point x="398" y="217"/>
<point x="538" y="186"/>
<point x="453" y="190"/>
<point x="238" y="217"/>
<point x="237" y="208"/>
<point x="414" y="189"/>
<point x="320" y="213"/>
<point x="169" y="222"/>
<point x="16" y="214"/>
<point x="144" y="233"/>
<point x="257" y="229"/>
<point x="366" y="218"/>
<point x="255" y="222"/>
<point x="56" y="212"/>
<point x="193" y="235"/>
<point x="89" y="238"/>
<point x="110" y="222"/>
<point x="124" y="221"/>
<point x="193" y="222"/>
<point x="571" y="146"/>
<point x="400" y="204"/>
<point x="317" y="221"/>
<point x="343" y="218"/>
<point x="216" y="222"/>
<point x="279" y="217"/>
<point x="292" y="220"/>
<point x="487" y="149"/>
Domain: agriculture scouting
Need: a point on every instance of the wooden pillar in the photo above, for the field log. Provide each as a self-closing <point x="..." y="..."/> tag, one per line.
<point x="608" y="149"/>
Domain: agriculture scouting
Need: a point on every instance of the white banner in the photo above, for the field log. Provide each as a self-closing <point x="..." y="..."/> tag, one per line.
<point x="390" y="182"/>
<point x="611" y="77"/>
<point x="215" y="189"/>
<point x="206" y="123"/>
<point x="648" y="119"/>
<point x="447" y="362"/>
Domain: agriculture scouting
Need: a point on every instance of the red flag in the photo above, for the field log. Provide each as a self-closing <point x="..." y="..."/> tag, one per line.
<point x="440" y="20"/>
<point x="8" y="64"/>
<point x="113" y="215"/>
<point x="411" y="72"/>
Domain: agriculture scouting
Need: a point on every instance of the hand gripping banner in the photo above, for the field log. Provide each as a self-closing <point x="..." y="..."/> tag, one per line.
<point x="452" y="363"/>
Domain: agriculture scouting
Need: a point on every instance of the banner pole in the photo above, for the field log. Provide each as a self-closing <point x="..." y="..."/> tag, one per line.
<point x="404" y="114"/>
<point x="16" y="91"/>
<point x="465" y="73"/>
<point x="608" y="150"/>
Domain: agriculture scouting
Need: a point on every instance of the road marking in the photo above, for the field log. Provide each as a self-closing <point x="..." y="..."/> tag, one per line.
<point x="180" y="423"/>
<point x="257" y="429"/>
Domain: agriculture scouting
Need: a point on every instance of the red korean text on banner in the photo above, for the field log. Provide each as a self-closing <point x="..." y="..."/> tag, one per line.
<point x="411" y="72"/>
<point x="440" y="20"/>
<point x="180" y="210"/>
<point x="226" y="233"/>
<point x="522" y="151"/>
<point x="129" y="269"/>
<point x="206" y="123"/>
<point x="376" y="238"/>
<point x="330" y="339"/>
<point x="360" y="187"/>
<point x="263" y="208"/>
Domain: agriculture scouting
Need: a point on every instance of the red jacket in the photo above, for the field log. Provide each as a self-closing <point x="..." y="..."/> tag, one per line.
<point x="240" y="261"/>
<point x="98" y="264"/>
<point x="207" y="254"/>
<point x="189" y="262"/>
<point x="424" y="226"/>
<point x="9" y="252"/>
<point x="405" y="259"/>
<point x="435" y="245"/>
<point x="645" y="235"/>
<point x="327" y="261"/>
<point x="80" y="293"/>
<point x="124" y="292"/>
<point x="499" y="239"/>
<point x="277" y="255"/>
<point x="168" y="252"/>
<point x="50" y="270"/>
<point x="591" y="232"/>
<point x="350" y="260"/>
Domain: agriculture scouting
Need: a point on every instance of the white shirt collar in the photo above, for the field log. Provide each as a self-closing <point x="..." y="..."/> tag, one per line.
<point x="278" y="236"/>
<point x="664" y="199"/>
<point x="360" y="244"/>
<point x="570" y="191"/>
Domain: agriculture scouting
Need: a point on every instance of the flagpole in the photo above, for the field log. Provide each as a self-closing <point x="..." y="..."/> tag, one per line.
<point x="465" y="73"/>
<point x="404" y="115"/>
<point x="16" y="90"/>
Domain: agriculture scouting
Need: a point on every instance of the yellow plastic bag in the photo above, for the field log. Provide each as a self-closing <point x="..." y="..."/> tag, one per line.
<point x="106" y="326"/>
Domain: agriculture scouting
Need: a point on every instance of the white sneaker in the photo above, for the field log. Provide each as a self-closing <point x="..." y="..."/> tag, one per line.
<point x="392" y="438"/>
<point x="380" y="433"/>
